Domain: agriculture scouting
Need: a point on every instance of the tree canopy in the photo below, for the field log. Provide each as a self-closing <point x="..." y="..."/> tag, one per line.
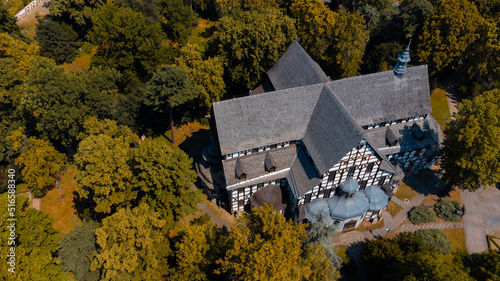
<point x="74" y="250"/>
<point x="35" y="243"/>
<point x="251" y="42"/>
<point x="448" y="32"/>
<point x="125" y="42"/>
<point x="132" y="246"/>
<point x="206" y="74"/>
<point x="264" y="246"/>
<point x="39" y="161"/>
<point x="56" y="40"/>
<point x="472" y="144"/>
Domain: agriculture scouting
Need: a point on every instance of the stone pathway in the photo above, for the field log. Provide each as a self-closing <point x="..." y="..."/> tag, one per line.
<point x="432" y="225"/>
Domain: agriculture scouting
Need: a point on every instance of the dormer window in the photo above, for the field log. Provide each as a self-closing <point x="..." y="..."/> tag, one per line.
<point x="417" y="131"/>
<point x="269" y="163"/>
<point x="390" y="137"/>
<point x="240" y="170"/>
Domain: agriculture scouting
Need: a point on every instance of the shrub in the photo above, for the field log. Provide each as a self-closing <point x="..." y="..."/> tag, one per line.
<point x="421" y="214"/>
<point x="446" y="209"/>
<point x="435" y="240"/>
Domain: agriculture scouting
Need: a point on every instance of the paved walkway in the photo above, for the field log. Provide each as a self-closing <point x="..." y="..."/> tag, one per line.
<point x="482" y="217"/>
<point x="214" y="218"/>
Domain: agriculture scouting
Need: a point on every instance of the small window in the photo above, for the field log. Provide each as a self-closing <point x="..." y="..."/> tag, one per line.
<point x="382" y="180"/>
<point x="307" y="198"/>
<point x="369" y="168"/>
<point x="327" y="193"/>
<point x="331" y="176"/>
<point x="362" y="184"/>
<point x="242" y="177"/>
<point x="351" y="172"/>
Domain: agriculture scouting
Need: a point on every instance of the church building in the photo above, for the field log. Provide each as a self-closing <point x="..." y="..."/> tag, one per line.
<point x="304" y="143"/>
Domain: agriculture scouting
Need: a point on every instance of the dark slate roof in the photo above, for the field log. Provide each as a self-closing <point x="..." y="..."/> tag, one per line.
<point x="303" y="173"/>
<point x="331" y="132"/>
<point x="406" y="141"/>
<point x="348" y="208"/>
<point x="377" y="198"/>
<point x="255" y="167"/>
<point x="265" y="119"/>
<point x="390" y="136"/>
<point x="349" y="186"/>
<point x="380" y="97"/>
<point x="296" y="68"/>
<point x="271" y="195"/>
<point x="269" y="161"/>
<point x="239" y="169"/>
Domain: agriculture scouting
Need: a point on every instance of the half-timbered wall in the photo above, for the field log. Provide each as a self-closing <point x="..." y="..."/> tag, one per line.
<point x="361" y="163"/>
<point x="413" y="160"/>
<point x="240" y="197"/>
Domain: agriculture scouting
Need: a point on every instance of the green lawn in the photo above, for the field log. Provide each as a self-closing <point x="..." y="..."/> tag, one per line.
<point x="201" y="34"/>
<point x="405" y="192"/>
<point x="456" y="237"/>
<point x="440" y="109"/>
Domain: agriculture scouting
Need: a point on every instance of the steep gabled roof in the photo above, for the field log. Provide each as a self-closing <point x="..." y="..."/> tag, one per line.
<point x="331" y="132"/>
<point x="381" y="97"/>
<point x="296" y="68"/>
<point x="303" y="173"/>
<point x="265" y="119"/>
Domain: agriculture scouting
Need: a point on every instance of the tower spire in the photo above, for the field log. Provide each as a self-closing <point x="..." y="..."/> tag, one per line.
<point x="402" y="66"/>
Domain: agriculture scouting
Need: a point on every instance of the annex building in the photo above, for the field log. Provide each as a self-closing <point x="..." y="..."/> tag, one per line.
<point x="305" y="143"/>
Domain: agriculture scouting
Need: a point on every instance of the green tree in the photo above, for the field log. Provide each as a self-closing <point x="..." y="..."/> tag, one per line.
<point x="163" y="177"/>
<point x="178" y="19"/>
<point x="104" y="175"/>
<point x="169" y="87"/>
<point x="421" y="214"/>
<point x="150" y="9"/>
<point x="206" y="74"/>
<point x="125" y="42"/>
<point x="56" y="104"/>
<point x="35" y="243"/>
<point x="8" y="21"/>
<point x="413" y="14"/>
<point x="132" y="246"/>
<point x="77" y="13"/>
<point x="435" y="239"/>
<point x="349" y="44"/>
<point x="56" y="40"/>
<point x="446" y="209"/>
<point x="315" y="25"/>
<point x="322" y="232"/>
<point x="264" y="246"/>
<point x="197" y="248"/>
<point x="39" y="161"/>
<point x="472" y="144"/>
<point x="15" y="59"/>
<point x="252" y="41"/>
<point x="381" y="57"/>
<point x="74" y="250"/>
<point x="448" y="32"/>
<point x="484" y="266"/>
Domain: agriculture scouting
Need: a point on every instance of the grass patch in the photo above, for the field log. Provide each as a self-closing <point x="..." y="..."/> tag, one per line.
<point x="367" y="226"/>
<point x="456" y="237"/>
<point x="183" y="132"/>
<point x="62" y="210"/>
<point x="394" y="208"/>
<point x="440" y="109"/>
<point x="82" y="61"/>
<point x="405" y="192"/>
<point x="201" y="33"/>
